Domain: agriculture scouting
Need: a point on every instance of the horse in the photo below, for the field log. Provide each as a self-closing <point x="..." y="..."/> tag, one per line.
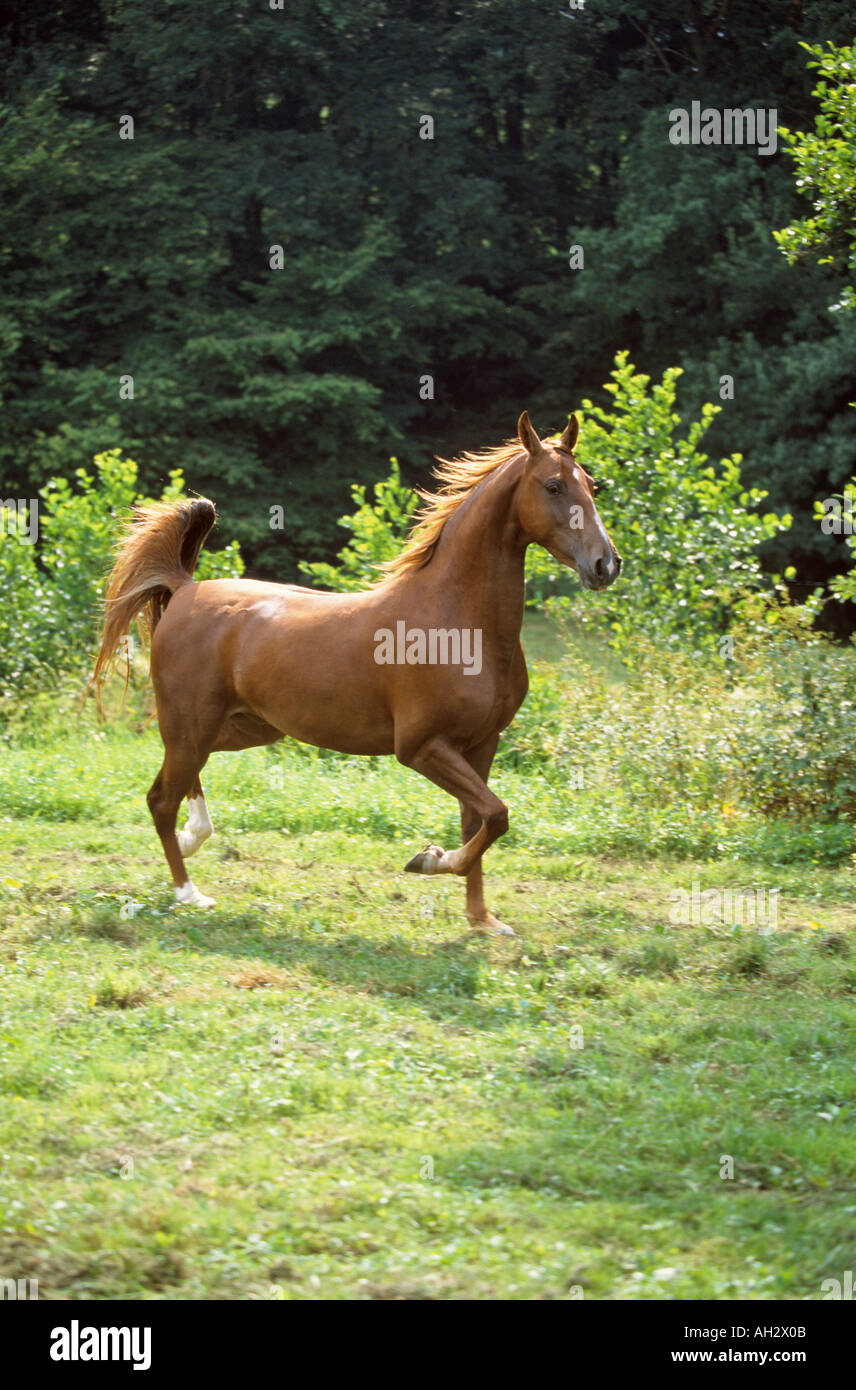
<point x="425" y="664"/>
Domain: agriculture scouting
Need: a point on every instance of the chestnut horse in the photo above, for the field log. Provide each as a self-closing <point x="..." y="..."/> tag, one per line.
<point x="426" y="664"/>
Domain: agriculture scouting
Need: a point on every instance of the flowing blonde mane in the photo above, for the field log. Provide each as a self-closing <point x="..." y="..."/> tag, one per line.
<point x="459" y="477"/>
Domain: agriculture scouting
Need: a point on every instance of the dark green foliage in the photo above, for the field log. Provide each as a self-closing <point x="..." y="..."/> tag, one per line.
<point x="826" y="167"/>
<point x="402" y="257"/>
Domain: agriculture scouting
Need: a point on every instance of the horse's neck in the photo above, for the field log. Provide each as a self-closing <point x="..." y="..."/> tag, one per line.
<point x="481" y="556"/>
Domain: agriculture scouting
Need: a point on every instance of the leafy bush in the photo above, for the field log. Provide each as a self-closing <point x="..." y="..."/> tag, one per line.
<point x="712" y="742"/>
<point x="794" y="714"/>
<point x="688" y="532"/>
<point x="51" y="612"/>
<point x="843" y="586"/>
<point x="826" y="168"/>
<point x="658" y="739"/>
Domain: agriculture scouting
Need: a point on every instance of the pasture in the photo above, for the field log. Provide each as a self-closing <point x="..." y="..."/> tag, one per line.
<point x="327" y="1087"/>
<point x="338" y="343"/>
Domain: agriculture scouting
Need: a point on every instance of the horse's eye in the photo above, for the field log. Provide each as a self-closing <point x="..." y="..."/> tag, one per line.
<point x="553" y="488"/>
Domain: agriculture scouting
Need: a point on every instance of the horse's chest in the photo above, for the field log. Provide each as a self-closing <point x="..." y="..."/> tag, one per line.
<point x="501" y="698"/>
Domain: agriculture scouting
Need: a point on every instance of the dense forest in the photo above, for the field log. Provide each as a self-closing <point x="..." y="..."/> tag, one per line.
<point x="275" y="243"/>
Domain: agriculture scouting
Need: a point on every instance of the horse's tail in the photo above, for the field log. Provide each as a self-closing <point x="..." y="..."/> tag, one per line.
<point x="157" y="552"/>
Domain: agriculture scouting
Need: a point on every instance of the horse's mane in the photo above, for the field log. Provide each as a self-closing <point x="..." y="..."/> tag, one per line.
<point x="458" y="477"/>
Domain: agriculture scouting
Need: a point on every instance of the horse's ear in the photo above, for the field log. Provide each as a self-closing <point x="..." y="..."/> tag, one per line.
<point x="527" y="434"/>
<point x="570" y="434"/>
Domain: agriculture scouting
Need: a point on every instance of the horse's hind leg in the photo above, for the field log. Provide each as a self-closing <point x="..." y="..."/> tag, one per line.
<point x="186" y="752"/>
<point x="177" y="777"/>
<point x="198" y="826"/>
<point x="188" y="735"/>
<point x="238" y="732"/>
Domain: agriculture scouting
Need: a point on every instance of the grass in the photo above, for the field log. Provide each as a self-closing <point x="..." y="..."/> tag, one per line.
<point x="327" y="1088"/>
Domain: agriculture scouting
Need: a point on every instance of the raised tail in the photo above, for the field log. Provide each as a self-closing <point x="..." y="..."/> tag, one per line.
<point x="156" y="553"/>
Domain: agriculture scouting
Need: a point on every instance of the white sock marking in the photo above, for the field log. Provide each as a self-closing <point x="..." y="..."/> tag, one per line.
<point x="189" y="894"/>
<point x="198" y="827"/>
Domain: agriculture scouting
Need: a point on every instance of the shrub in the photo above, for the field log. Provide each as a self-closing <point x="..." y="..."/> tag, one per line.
<point x="688" y="531"/>
<point x="833" y="513"/>
<point x="51" y="608"/>
<point x="793" y="719"/>
<point x="771" y="732"/>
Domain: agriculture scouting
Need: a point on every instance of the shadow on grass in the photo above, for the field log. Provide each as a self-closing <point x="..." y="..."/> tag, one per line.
<point x="441" y="978"/>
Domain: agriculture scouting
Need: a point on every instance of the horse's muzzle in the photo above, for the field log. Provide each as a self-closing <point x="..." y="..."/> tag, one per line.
<point x="603" y="572"/>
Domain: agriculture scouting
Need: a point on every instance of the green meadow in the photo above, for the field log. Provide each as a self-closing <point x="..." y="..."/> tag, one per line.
<point x="327" y="1087"/>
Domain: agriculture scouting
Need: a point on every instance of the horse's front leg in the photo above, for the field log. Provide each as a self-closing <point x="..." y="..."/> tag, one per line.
<point x="484" y="819"/>
<point x="478" y="915"/>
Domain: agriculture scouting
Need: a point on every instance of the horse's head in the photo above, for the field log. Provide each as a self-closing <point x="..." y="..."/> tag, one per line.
<point x="555" y="506"/>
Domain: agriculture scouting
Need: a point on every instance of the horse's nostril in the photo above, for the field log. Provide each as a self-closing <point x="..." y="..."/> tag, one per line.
<point x="606" y="568"/>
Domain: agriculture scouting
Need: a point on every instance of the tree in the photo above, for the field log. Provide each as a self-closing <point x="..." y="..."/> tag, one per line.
<point x="826" y="168"/>
<point x="425" y="171"/>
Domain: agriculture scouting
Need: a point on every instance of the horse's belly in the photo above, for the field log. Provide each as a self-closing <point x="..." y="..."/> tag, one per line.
<point x="329" y="725"/>
<point x="316" y="692"/>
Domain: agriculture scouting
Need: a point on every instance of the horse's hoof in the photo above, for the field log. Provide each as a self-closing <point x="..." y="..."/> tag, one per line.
<point x="490" y="925"/>
<point x="426" y="862"/>
<point x="188" y="895"/>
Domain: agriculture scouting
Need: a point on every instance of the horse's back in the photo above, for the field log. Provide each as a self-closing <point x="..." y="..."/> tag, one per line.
<point x="210" y="600"/>
<point x="300" y="659"/>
